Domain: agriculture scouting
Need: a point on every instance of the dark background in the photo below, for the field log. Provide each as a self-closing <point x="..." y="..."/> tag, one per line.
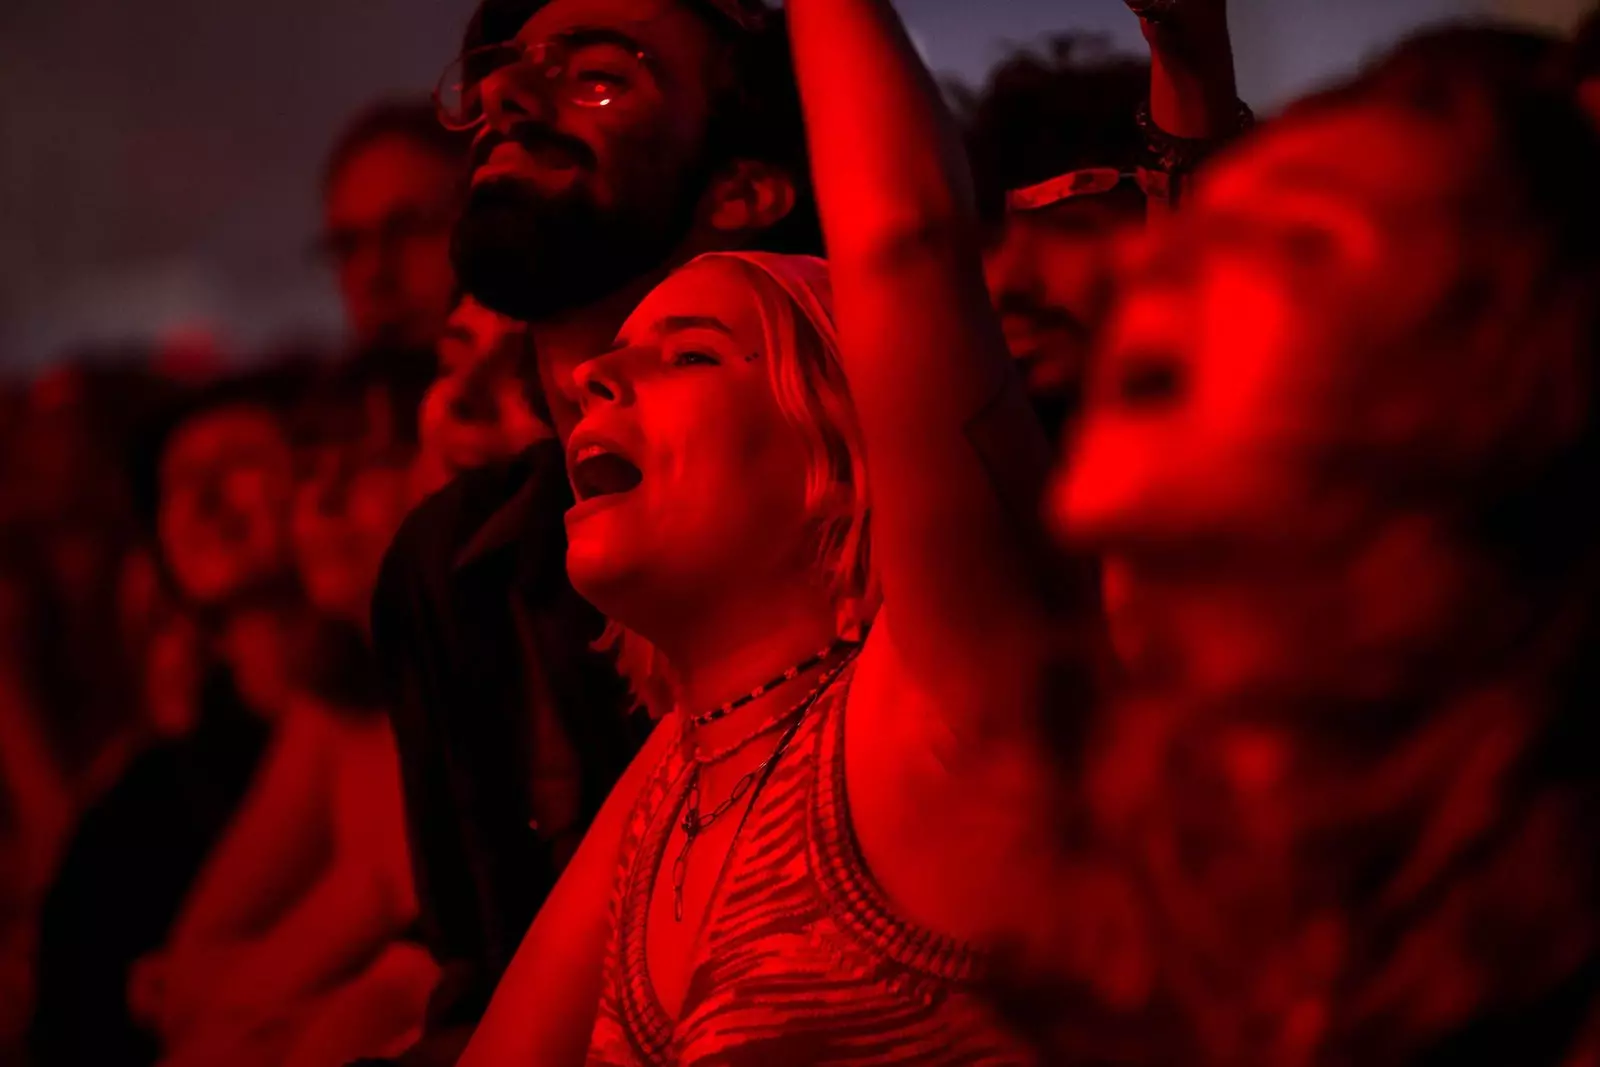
<point x="159" y="159"/>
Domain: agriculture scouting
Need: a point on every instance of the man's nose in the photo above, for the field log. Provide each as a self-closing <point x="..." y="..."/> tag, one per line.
<point x="514" y="95"/>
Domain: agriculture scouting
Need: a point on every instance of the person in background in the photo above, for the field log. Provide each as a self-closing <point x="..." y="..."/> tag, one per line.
<point x="214" y="478"/>
<point x="291" y="946"/>
<point x="1069" y="117"/>
<point x="391" y="193"/>
<point x="1341" y="443"/>
<point x="476" y="412"/>
<point x="811" y="858"/>
<point x="1584" y="64"/>
<point x="612" y="143"/>
<point x="1071" y="148"/>
<point x="357" y="448"/>
<point x="36" y="794"/>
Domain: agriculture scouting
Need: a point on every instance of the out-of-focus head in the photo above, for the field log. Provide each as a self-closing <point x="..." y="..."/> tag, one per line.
<point x="1585" y="65"/>
<point x="356" y="448"/>
<point x="1339" y="447"/>
<point x="1039" y="119"/>
<point x="1370" y="330"/>
<point x="391" y="196"/>
<point x="617" y="138"/>
<point x="718" y="459"/>
<point x="216" y="477"/>
<point x="478" y="410"/>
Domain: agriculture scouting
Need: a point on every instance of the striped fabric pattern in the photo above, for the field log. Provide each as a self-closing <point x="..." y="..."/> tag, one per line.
<point x="803" y="960"/>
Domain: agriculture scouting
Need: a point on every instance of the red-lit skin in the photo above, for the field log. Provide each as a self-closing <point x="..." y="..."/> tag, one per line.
<point x="390" y="206"/>
<point x="1193" y="92"/>
<point x="941" y="693"/>
<point x="694" y="409"/>
<point x="1589" y="97"/>
<point x="653" y="132"/>
<point x="1057" y="260"/>
<point x="1284" y="610"/>
<point x="226" y="479"/>
<point x="1319" y="240"/>
<point x="476" y="411"/>
<point x="348" y="504"/>
<point x="300" y="902"/>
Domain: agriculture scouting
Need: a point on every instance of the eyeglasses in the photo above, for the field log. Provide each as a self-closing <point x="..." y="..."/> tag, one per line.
<point x="749" y="15"/>
<point x="595" y="73"/>
<point x="1091" y="181"/>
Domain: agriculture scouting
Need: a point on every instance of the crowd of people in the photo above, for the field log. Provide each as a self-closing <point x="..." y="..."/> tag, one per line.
<point x="805" y="564"/>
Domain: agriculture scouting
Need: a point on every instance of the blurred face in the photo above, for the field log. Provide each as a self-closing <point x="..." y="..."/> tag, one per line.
<point x="476" y="412"/>
<point x="1048" y="278"/>
<point x="689" y="480"/>
<point x="226" y="478"/>
<point x="586" y="172"/>
<point x="1309" y="256"/>
<point x="1589" y="97"/>
<point x="350" y="500"/>
<point x="390" y="210"/>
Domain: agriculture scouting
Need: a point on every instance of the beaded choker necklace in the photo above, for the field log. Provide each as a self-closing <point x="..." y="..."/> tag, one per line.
<point x="709" y="717"/>
<point x="694" y="820"/>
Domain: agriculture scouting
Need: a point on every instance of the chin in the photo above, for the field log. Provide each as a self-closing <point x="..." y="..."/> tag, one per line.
<point x="601" y="560"/>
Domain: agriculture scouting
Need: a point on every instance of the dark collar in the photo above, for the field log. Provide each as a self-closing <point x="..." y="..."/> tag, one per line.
<point x="528" y="529"/>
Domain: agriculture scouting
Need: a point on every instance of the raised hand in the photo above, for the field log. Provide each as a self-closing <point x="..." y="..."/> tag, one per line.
<point x="1159" y="12"/>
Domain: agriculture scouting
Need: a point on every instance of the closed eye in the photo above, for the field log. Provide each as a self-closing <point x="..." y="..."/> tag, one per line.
<point x="692" y="358"/>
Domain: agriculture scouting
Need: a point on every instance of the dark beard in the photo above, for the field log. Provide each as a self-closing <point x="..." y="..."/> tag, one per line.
<point x="532" y="257"/>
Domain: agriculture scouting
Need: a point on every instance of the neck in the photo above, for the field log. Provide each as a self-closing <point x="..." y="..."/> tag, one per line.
<point x="719" y="659"/>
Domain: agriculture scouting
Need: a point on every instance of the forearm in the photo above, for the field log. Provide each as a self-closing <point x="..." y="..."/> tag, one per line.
<point x="273" y="850"/>
<point x="336" y="929"/>
<point x="955" y="457"/>
<point x="887" y="160"/>
<point x="1193" y="90"/>
<point x="242" y="890"/>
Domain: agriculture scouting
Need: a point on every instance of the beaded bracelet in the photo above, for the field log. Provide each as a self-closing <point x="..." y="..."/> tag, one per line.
<point x="1178" y="156"/>
<point x="1153" y="11"/>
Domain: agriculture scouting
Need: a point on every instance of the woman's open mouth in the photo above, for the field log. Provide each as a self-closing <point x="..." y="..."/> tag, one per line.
<point x="597" y="471"/>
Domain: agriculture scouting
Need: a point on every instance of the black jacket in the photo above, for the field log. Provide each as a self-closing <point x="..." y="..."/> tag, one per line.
<point x="511" y="730"/>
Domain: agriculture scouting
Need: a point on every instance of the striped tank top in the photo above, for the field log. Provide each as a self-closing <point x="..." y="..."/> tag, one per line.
<point x="803" y="960"/>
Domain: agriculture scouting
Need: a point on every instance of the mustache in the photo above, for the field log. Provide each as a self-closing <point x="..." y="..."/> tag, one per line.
<point x="535" y="137"/>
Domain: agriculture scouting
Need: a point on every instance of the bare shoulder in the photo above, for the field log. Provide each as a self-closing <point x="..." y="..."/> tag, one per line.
<point x="939" y="820"/>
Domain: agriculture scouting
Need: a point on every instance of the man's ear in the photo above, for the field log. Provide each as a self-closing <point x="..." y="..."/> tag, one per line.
<point x="749" y="197"/>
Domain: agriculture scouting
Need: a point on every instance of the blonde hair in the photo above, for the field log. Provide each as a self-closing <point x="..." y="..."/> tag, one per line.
<point x="795" y="302"/>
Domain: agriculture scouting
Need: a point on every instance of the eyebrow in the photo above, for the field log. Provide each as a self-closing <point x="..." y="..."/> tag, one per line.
<point x="676" y="324"/>
<point x="583" y="35"/>
<point x="681" y="323"/>
<point x="579" y="36"/>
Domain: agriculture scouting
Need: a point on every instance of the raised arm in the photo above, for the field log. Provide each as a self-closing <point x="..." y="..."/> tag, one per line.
<point x="1194" y="95"/>
<point x="956" y="457"/>
<point x="1193" y="91"/>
